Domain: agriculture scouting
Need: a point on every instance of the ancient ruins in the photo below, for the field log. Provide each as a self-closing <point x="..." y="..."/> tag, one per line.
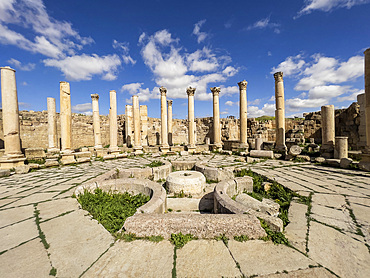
<point x="247" y="192"/>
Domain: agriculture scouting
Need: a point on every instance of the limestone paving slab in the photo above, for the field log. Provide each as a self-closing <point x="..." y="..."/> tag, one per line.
<point x="316" y="272"/>
<point x="331" y="200"/>
<point x="258" y="257"/>
<point x="75" y="242"/>
<point x="333" y="217"/>
<point x="138" y="258"/>
<point x="12" y="236"/>
<point x="205" y="258"/>
<point x="338" y="252"/>
<point x="34" y="198"/>
<point x="57" y="207"/>
<point x="27" y="260"/>
<point x="13" y="215"/>
<point x="296" y="230"/>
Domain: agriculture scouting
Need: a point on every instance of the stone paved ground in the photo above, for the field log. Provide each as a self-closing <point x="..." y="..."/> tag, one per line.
<point x="42" y="229"/>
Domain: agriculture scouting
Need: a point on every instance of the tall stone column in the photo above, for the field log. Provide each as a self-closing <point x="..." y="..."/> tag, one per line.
<point x="216" y="118"/>
<point x="137" y="131"/>
<point x="328" y="131"/>
<point x="144" y="124"/>
<point x="113" y="148"/>
<point x="243" y="114"/>
<point x="341" y="147"/>
<point x="365" y="161"/>
<point x="96" y="121"/>
<point x="52" y="125"/>
<point x="169" y="122"/>
<point x="129" y="125"/>
<point x="280" y="113"/>
<point x="164" y="134"/>
<point x="191" y="129"/>
<point x="13" y="156"/>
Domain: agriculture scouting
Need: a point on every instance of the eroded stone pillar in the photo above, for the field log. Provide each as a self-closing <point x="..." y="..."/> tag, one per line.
<point x="96" y="121"/>
<point x="243" y="114"/>
<point x="65" y="117"/>
<point x="280" y="113"/>
<point x="191" y="129"/>
<point x="113" y="148"/>
<point x="341" y="147"/>
<point x="169" y="122"/>
<point x="216" y="118"/>
<point x="164" y="134"/>
<point x="129" y="125"/>
<point x="365" y="161"/>
<point x="144" y="124"/>
<point x="52" y="125"/>
<point x="137" y="132"/>
<point x="13" y="156"/>
<point x="328" y="131"/>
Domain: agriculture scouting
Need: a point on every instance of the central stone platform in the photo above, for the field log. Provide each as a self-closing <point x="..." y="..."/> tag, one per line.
<point x="188" y="182"/>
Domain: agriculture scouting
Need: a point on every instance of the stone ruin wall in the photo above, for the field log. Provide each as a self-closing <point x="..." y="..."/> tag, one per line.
<point x="34" y="125"/>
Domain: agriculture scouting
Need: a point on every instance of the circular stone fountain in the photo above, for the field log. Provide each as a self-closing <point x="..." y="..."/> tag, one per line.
<point x="189" y="182"/>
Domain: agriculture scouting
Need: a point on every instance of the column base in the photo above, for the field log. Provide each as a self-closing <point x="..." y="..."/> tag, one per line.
<point x="244" y="147"/>
<point x="327" y="151"/>
<point x="164" y="149"/>
<point x="67" y="158"/>
<point x="114" y="150"/>
<point x="191" y="148"/>
<point x="8" y="162"/>
<point x="53" y="150"/>
<point x="138" y="150"/>
<point x="216" y="147"/>
<point x="100" y="152"/>
<point x="282" y="149"/>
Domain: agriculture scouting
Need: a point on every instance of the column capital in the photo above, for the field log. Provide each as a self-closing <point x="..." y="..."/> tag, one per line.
<point x="278" y="76"/>
<point x="64" y="87"/>
<point x="112" y="91"/>
<point x="169" y="102"/>
<point x="94" y="96"/>
<point x="367" y="51"/>
<point x="7" y="68"/>
<point x="190" y="91"/>
<point x="163" y="91"/>
<point x="243" y="85"/>
<point x="215" y="91"/>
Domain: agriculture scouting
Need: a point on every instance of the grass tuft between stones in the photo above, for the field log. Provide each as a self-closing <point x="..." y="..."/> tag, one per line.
<point x="179" y="240"/>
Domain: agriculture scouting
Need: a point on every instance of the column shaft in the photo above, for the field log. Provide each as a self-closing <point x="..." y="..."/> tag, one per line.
<point x="216" y="116"/>
<point x="52" y="124"/>
<point x="191" y="135"/>
<point x="144" y="124"/>
<point x="113" y="122"/>
<point x="137" y="131"/>
<point x="169" y="122"/>
<point x="279" y="112"/>
<point x="96" y="121"/>
<point x="128" y="125"/>
<point x="65" y="116"/>
<point x="328" y="131"/>
<point x="164" y="135"/>
<point x="367" y="96"/>
<point x="243" y="113"/>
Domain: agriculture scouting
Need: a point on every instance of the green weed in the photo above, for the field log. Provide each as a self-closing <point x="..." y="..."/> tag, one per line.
<point x="179" y="240"/>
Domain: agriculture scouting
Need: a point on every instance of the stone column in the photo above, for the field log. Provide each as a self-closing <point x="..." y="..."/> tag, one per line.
<point x="96" y="121"/>
<point x="365" y="162"/>
<point x="137" y="132"/>
<point x="128" y="125"/>
<point x="113" y="148"/>
<point x="280" y="113"/>
<point x="191" y="128"/>
<point x="13" y="156"/>
<point x="243" y="114"/>
<point x="164" y="134"/>
<point x="144" y="124"/>
<point x="216" y="118"/>
<point x="341" y="147"/>
<point x="328" y="131"/>
<point x="258" y="143"/>
<point x="52" y="125"/>
<point x="169" y="122"/>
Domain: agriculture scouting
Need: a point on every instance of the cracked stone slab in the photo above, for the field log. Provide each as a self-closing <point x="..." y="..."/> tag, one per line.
<point x="56" y="207"/>
<point x="296" y="230"/>
<point x="16" y="234"/>
<point x="28" y="260"/>
<point x="34" y="198"/>
<point x="76" y="241"/>
<point x="316" y="272"/>
<point x="257" y="257"/>
<point x="135" y="259"/>
<point x="338" y="252"/>
<point x="332" y="200"/>
<point x="333" y="217"/>
<point x="13" y="215"/>
<point x="205" y="258"/>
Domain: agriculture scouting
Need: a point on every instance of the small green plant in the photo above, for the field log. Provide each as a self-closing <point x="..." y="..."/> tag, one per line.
<point x="179" y="240"/>
<point x="224" y="239"/>
<point x="275" y="237"/>
<point x="127" y="237"/>
<point x="211" y="181"/>
<point x="241" y="238"/>
<point x="53" y="271"/>
<point x="154" y="238"/>
<point x="155" y="163"/>
<point x="169" y="209"/>
<point x="106" y="146"/>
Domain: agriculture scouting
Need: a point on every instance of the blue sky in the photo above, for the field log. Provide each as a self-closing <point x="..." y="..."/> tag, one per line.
<point x="134" y="47"/>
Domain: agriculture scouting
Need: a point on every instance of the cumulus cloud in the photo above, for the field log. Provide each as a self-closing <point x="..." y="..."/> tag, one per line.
<point x="83" y="67"/>
<point x="201" y="36"/>
<point x="18" y="65"/>
<point x="291" y="65"/>
<point x="124" y="47"/>
<point x="266" y="110"/>
<point x="83" y="108"/>
<point x="351" y="97"/>
<point x="328" y="5"/>
<point x="230" y="103"/>
<point x="176" y="69"/>
<point x="264" y="23"/>
<point x="144" y="93"/>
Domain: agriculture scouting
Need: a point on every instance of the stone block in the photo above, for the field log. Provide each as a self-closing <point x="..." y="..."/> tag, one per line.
<point x="109" y="156"/>
<point x="22" y="169"/>
<point x="295" y="150"/>
<point x="261" y="153"/>
<point x="304" y="157"/>
<point x="4" y="173"/>
<point x="35" y="153"/>
<point x="82" y="155"/>
<point x="51" y="163"/>
<point x="320" y="159"/>
<point x="184" y="153"/>
<point x="252" y="203"/>
<point x="83" y="159"/>
<point x="333" y="162"/>
<point x="345" y="162"/>
<point x="244" y="184"/>
<point x="34" y="165"/>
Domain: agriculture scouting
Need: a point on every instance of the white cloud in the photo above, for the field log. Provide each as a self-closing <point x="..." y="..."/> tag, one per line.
<point x="269" y="53"/>
<point x="201" y="36"/>
<point x="124" y="47"/>
<point x="230" y="103"/>
<point x="82" y="108"/>
<point x="351" y="97"/>
<point x="291" y="65"/>
<point x="144" y="94"/>
<point x="225" y="112"/>
<point x="264" y="23"/>
<point x="254" y="102"/>
<point x="176" y="69"/>
<point x="266" y="110"/>
<point x="17" y="64"/>
<point x="83" y="67"/>
<point x="328" y="5"/>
